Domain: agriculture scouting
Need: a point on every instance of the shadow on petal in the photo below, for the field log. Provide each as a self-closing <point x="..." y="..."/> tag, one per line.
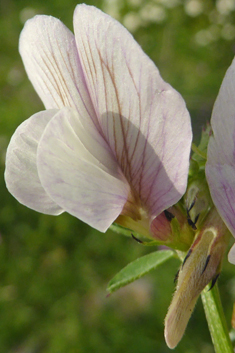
<point x="156" y="182"/>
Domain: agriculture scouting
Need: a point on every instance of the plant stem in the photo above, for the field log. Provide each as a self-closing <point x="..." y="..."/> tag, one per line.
<point x="216" y="320"/>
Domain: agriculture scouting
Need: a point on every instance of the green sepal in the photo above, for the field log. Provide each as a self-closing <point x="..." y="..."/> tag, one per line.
<point x="121" y="230"/>
<point x="130" y="233"/>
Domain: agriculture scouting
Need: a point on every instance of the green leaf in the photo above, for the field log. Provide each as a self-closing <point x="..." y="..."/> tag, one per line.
<point x="139" y="268"/>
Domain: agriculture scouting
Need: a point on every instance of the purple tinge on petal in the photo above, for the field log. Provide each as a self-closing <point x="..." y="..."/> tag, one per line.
<point x="142" y="118"/>
<point x="21" y="173"/>
<point x="220" y="168"/>
<point x="79" y="172"/>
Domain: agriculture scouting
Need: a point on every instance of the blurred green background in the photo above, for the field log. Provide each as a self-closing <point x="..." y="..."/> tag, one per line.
<point x="54" y="270"/>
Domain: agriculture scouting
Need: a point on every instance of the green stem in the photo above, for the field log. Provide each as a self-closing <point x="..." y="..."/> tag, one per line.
<point x="216" y="320"/>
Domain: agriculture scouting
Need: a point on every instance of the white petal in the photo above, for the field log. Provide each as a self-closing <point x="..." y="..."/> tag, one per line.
<point x="142" y="118"/>
<point x="78" y="171"/>
<point x="220" y="168"/>
<point x="49" y="53"/>
<point x="21" y="171"/>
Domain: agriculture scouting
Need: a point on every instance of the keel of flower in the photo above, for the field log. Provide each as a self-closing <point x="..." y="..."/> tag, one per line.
<point x="171" y="227"/>
<point x="201" y="265"/>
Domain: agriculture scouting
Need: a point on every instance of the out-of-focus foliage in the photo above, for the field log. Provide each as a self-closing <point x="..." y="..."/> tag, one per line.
<point x="54" y="270"/>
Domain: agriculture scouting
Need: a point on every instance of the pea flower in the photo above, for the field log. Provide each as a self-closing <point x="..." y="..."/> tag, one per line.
<point x="114" y="140"/>
<point x="220" y="168"/>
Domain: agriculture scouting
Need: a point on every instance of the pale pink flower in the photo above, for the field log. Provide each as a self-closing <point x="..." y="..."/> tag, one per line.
<point x="114" y="139"/>
<point x="220" y="168"/>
